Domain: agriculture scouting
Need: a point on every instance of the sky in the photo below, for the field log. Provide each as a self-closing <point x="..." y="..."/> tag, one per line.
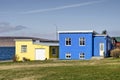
<point x="43" y="18"/>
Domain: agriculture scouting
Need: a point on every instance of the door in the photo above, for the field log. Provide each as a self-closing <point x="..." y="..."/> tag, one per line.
<point x="101" y="49"/>
<point x="40" y="54"/>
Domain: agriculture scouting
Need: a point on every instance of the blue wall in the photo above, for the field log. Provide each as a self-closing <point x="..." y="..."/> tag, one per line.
<point x="97" y="41"/>
<point x="75" y="49"/>
<point x="7" y="53"/>
<point x="110" y="46"/>
<point x="107" y="45"/>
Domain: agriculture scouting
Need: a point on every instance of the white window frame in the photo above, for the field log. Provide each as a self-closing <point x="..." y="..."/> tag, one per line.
<point x="82" y="40"/>
<point x="69" y="56"/>
<point x="81" y="56"/>
<point x="23" y="48"/>
<point x="68" y="40"/>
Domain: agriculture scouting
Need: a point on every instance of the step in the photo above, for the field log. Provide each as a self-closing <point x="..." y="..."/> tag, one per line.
<point x="97" y="58"/>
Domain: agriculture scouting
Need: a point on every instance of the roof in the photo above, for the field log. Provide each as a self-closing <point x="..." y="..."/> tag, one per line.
<point x="81" y="31"/>
<point x="104" y="35"/>
<point x="10" y="41"/>
<point x="12" y="38"/>
<point x="48" y="43"/>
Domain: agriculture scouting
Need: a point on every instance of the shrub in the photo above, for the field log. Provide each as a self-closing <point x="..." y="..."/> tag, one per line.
<point x="115" y="53"/>
<point x="25" y="59"/>
<point x="15" y="58"/>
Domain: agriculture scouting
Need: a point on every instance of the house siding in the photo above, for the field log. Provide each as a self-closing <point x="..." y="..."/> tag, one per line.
<point x="75" y="49"/>
<point x="97" y="41"/>
<point x="110" y="46"/>
<point x="107" y="45"/>
<point x="31" y="49"/>
<point x="30" y="54"/>
<point x="7" y="49"/>
<point x="96" y="45"/>
<point x="7" y="53"/>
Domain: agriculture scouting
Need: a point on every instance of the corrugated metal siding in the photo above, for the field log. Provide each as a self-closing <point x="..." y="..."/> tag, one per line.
<point x="7" y="53"/>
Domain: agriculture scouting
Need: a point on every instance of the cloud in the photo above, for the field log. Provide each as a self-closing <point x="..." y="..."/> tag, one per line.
<point x="63" y="7"/>
<point x="6" y="27"/>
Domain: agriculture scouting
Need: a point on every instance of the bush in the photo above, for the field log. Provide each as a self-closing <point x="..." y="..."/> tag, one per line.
<point x="15" y="58"/>
<point x="25" y="59"/>
<point x="115" y="53"/>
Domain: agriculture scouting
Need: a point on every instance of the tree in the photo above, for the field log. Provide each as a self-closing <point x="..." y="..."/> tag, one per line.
<point x="104" y="32"/>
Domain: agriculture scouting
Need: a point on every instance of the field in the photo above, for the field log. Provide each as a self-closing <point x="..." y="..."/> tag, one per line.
<point x="105" y="69"/>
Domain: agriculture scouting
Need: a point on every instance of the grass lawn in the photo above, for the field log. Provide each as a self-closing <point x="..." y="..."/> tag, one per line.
<point x="106" y="69"/>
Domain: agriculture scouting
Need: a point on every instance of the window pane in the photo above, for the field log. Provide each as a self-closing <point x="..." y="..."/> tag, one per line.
<point x="82" y="55"/>
<point x="68" y="41"/>
<point x="24" y="48"/>
<point x="68" y="56"/>
<point x="53" y="51"/>
<point x="102" y="46"/>
<point x="82" y="41"/>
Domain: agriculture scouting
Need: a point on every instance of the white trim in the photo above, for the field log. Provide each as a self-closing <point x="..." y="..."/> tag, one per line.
<point x="104" y="35"/>
<point x="82" y="31"/>
<point x="82" y="56"/>
<point x="84" y="41"/>
<point x="68" y="44"/>
<point x="67" y="54"/>
<point x="23" y="48"/>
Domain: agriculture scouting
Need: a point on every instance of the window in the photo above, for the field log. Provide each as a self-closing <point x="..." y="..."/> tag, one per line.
<point x="53" y="51"/>
<point x="68" y="41"/>
<point x="81" y="41"/>
<point x="82" y="56"/>
<point x="68" y="56"/>
<point x="102" y="46"/>
<point x="23" y="48"/>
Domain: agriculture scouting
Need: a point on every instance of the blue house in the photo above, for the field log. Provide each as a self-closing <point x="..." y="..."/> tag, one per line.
<point x="76" y="45"/>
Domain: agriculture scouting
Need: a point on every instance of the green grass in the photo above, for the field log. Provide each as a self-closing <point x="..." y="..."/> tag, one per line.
<point x="106" y="69"/>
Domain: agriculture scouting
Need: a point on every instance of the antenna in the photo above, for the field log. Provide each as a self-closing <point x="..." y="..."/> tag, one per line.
<point x="56" y="30"/>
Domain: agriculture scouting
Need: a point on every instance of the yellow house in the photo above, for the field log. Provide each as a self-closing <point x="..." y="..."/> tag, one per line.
<point x="35" y="49"/>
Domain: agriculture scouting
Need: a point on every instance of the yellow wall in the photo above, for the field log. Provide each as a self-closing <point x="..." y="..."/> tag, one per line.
<point x="30" y="54"/>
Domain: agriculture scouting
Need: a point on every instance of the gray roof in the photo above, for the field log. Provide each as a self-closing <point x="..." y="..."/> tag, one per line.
<point x="48" y="44"/>
<point x="10" y="40"/>
<point x="33" y="38"/>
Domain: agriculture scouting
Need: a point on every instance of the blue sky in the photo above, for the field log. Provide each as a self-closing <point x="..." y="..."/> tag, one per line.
<point x="39" y="18"/>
